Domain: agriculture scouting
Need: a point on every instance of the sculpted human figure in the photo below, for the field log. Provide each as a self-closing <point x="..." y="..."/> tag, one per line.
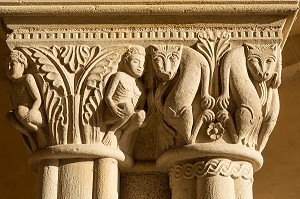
<point x="182" y="70"/>
<point x="125" y="96"/>
<point x="252" y="75"/>
<point x="27" y="115"/>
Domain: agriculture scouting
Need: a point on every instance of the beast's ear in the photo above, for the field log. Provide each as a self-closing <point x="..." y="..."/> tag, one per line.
<point x="249" y="46"/>
<point x="274" y="47"/>
<point x="154" y="49"/>
<point x="179" y="48"/>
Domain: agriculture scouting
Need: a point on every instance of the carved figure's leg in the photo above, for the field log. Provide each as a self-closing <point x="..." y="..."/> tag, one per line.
<point x="26" y="135"/>
<point x="107" y="140"/>
<point x="206" y="116"/>
<point x="127" y="139"/>
<point x="269" y="122"/>
<point x="246" y="119"/>
<point x="182" y="122"/>
<point x="225" y="118"/>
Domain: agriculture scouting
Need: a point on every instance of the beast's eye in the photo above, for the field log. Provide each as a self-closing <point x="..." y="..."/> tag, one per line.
<point x="270" y="60"/>
<point x="253" y="60"/>
<point x="157" y="59"/>
<point x="173" y="58"/>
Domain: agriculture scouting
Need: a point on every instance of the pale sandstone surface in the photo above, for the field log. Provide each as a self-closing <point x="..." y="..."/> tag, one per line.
<point x="123" y="101"/>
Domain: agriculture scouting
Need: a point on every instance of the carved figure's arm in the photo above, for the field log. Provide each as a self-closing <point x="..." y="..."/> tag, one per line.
<point x="205" y="80"/>
<point x="34" y="92"/>
<point x="225" y="72"/>
<point x="112" y="87"/>
<point x="208" y="101"/>
<point x="143" y="97"/>
<point x="223" y="100"/>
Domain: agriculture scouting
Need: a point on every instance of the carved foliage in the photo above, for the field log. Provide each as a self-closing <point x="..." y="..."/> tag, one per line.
<point x="72" y="80"/>
<point x="74" y="83"/>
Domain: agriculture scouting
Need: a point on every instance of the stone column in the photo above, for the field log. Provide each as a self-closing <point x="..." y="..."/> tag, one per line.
<point x="99" y="88"/>
<point x="74" y="171"/>
<point x="205" y="171"/>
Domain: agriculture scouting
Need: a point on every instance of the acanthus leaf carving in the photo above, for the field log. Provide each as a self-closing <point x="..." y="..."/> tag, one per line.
<point x="73" y="82"/>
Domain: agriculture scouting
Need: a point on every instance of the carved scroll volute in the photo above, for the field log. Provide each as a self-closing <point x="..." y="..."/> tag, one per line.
<point x="58" y="93"/>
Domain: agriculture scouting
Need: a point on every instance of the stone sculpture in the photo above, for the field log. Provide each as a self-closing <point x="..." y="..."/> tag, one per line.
<point x="252" y="75"/>
<point x="85" y="73"/>
<point x="125" y="96"/>
<point x="180" y="69"/>
<point x="28" y="115"/>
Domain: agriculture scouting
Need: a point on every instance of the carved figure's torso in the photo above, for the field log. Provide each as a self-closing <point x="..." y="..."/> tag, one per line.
<point x="128" y="91"/>
<point x="20" y="97"/>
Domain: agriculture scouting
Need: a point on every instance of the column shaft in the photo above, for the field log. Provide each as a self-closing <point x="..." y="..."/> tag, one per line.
<point x="75" y="179"/>
<point x="48" y="179"/>
<point x="106" y="180"/>
<point x="243" y="188"/>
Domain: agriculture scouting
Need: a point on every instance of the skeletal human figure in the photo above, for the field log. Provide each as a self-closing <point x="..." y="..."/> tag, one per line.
<point x="125" y="96"/>
<point x="27" y="115"/>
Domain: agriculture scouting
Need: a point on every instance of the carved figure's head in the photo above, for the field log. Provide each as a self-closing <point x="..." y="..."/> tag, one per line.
<point x="17" y="65"/>
<point x="261" y="61"/>
<point x="134" y="60"/>
<point x="166" y="60"/>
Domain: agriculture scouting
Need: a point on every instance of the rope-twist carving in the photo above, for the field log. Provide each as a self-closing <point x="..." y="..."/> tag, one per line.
<point x="213" y="167"/>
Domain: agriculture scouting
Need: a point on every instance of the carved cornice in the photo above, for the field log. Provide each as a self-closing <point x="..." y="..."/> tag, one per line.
<point x="154" y="7"/>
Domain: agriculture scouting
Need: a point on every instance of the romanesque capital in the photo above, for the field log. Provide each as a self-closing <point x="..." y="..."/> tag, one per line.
<point x="193" y="89"/>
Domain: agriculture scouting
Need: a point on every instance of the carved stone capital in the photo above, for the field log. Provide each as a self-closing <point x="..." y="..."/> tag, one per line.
<point x="191" y="85"/>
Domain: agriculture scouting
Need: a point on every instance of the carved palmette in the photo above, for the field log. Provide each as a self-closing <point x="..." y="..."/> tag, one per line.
<point x="72" y="80"/>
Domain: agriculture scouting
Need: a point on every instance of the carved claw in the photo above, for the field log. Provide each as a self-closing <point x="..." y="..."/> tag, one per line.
<point x="208" y="116"/>
<point x="223" y="102"/>
<point x="207" y="102"/>
<point x="223" y="116"/>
